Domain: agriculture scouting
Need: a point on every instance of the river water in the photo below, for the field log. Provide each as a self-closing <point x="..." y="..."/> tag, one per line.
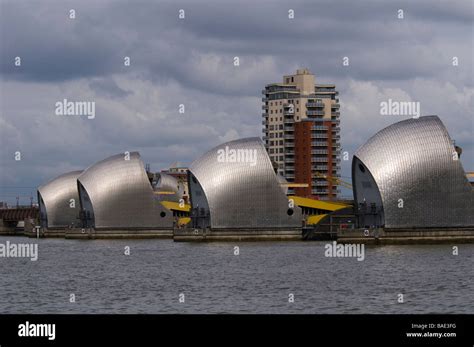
<point x="211" y="278"/>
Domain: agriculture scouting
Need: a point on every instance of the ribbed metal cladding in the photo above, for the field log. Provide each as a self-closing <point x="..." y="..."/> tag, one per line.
<point x="243" y="194"/>
<point x="55" y="197"/>
<point x="413" y="160"/>
<point x="168" y="183"/>
<point x="122" y="196"/>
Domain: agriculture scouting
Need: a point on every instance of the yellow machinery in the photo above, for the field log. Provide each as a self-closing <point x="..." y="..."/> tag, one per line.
<point x="316" y="210"/>
<point x="180" y="211"/>
<point x="295" y="185"/>
<point x="334" y="180"/>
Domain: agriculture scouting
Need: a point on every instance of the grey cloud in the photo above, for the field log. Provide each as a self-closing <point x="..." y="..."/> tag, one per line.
<point x="191" y="62"/>
<point x="107" y="87"/>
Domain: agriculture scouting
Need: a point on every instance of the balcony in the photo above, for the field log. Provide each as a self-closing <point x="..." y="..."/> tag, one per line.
<point x="315" y="113"/>
<point x="319" y="143"/>
<point x="290" y="144"/>
<point x="336" y="106"/>
<point x="288" y="137"/>
<point x="314" y="104"/>
<point x="288" y="128"/>
<point x="321" y="183"/>
<point x="319" y="151"/>
<point x="264" y="107"/>
<point x="289" y="160"/>
<point x="325" y="89"/>
<point x="319" y="160"/>
<point x="319" y="191"/>
<point x="289" y="152"/>
<point x="319" y="136"/>
<point x="319" y="127"/>
<point x="321" y="167"/>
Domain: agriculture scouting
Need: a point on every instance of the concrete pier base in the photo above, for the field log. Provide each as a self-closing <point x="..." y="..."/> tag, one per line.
<point x="10" y="232"/>
<point x="90" y="233"/>
<point x="227" y="235"/>
<point x="409" y="236"/>
<point x="48" y="233"/>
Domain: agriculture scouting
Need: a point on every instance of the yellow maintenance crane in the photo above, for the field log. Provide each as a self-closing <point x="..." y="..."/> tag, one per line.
<point x="294" y="185"/>
<point x="335" y="180"/>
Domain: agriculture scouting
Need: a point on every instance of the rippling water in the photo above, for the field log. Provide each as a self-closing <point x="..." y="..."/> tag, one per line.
<point x="214" y="280"/>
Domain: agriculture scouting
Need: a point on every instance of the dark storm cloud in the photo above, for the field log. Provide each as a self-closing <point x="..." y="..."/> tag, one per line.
<point x="56" y="48"/>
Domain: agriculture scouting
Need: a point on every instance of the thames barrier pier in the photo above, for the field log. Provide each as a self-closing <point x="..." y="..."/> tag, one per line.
<point x="408" y="183"/>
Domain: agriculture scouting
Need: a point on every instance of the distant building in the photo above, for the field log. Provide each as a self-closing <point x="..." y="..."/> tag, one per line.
<point x="409" y="175"/>
<point x="302" y="133"/>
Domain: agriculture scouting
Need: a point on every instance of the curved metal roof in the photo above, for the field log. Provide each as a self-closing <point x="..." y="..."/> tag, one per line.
<point x="168" y="183"/>
<point x="241" y="187"/>
<point x="122" y="196"/>
<point x="55" y="197"/>
<point x="414" y="160"/>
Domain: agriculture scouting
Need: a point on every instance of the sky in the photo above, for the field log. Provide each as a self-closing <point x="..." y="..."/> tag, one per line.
<point x="190" y="61"/>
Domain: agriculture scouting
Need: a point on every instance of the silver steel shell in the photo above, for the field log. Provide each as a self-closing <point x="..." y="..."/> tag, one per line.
<point x="420" y="181"/>
<point x="59" y="201"/>
<point x="169" y="183"/>
<point x="244" y="193"/>
<point x="121" y="195"/>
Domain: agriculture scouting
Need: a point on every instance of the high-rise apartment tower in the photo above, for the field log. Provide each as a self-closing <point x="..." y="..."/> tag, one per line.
<point x="302" y="133"/>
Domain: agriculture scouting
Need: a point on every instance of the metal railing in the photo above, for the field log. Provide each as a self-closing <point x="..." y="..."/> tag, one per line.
<point x="315" y="113"/>
<point x="314" y="104"/>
